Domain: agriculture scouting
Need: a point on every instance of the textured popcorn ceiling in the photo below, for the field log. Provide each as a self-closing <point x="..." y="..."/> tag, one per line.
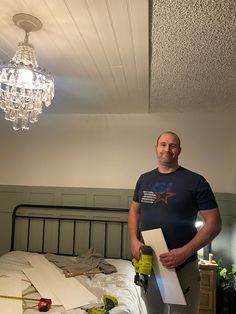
<point x="98" y="52"/>
<point x="193" y="55"/>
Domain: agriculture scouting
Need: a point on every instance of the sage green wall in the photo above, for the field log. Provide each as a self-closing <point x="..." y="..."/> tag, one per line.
<point x="11" y="196"/>
<point x="225" y="244"/>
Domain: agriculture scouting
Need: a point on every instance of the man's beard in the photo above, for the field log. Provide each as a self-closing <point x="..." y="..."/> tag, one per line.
<point x="166" y="160"/>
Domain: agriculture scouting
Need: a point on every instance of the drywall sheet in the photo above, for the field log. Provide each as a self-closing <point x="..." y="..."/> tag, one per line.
<point x="39" y="283"/>
<point x="11" y="286"/>
<point x="66" y="291"/>
<point x="166" y="279"/>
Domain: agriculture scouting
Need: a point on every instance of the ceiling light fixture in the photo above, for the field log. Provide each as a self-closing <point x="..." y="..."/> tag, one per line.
<point x="24" y="86"/>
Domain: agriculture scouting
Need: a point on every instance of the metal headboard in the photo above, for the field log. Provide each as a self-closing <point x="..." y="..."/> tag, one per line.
<point x="70" y="230"/>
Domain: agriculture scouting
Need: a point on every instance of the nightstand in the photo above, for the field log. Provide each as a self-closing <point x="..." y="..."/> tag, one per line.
<point x="208" y="288"/>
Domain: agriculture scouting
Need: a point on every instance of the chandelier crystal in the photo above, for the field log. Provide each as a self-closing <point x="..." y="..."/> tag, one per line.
<point x="24" y="87"/>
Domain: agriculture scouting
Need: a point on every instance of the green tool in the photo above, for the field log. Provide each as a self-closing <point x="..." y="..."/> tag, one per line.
<point x="109" y="302"/>
<point x="143" y="267"/>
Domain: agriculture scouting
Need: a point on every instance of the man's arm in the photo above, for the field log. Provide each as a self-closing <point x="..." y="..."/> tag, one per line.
<point x="133" y="226"/>
<point x="210" y="229"/>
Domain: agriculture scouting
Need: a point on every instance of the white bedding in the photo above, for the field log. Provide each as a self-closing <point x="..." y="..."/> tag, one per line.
<point x="120" y="284"/>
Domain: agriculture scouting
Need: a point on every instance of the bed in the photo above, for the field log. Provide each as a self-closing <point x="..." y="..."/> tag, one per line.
<point x="71" y="231"/>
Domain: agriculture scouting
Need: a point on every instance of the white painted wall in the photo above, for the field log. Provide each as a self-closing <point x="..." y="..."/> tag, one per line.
<point x="111" y="151"/>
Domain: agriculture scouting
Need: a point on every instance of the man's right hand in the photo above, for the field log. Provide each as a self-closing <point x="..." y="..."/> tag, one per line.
<point x="135" y="248"/>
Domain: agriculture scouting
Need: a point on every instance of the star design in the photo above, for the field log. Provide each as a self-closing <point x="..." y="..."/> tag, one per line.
<point x="163" y="196"/>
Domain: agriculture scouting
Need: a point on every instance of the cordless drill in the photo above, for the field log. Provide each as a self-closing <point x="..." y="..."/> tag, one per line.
<point x="109" y="302"/>
<point x="143" y="267"/>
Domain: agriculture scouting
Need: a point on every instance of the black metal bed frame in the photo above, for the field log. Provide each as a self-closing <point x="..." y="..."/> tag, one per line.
<point x="16" y="215"/>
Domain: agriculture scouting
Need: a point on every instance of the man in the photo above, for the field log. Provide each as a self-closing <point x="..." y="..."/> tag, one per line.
<point x="170" y="197"/>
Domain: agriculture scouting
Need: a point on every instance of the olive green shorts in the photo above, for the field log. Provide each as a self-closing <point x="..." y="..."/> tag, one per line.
<point x="189" y="278"/>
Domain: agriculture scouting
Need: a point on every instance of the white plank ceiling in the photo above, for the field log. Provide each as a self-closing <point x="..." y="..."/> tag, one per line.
<point x="131" y="56"/>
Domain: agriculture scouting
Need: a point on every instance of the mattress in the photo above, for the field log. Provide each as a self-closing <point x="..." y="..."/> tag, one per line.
<point x="119" y="284"/>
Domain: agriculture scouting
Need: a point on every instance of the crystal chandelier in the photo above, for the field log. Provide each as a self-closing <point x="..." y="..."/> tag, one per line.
<point x="24" y="86"/>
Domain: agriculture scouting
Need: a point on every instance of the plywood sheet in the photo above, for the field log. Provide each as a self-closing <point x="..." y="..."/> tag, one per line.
<point x="11" y="286"/>
<point x="166" y="279"/>
<point x="66" y="291"/>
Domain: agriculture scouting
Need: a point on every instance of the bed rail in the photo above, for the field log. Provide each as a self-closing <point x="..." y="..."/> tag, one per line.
<point x="70" y="230"/>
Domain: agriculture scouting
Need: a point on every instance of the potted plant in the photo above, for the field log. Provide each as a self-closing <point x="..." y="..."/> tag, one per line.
<point x="226" y="290"/>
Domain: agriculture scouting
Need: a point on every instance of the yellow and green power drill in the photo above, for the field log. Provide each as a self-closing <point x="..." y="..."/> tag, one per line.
<point x="109" y="302"/>
<point x="143" y="267"/>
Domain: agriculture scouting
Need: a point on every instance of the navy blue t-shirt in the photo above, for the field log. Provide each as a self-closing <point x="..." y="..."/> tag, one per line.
<point x="171" y="201"/>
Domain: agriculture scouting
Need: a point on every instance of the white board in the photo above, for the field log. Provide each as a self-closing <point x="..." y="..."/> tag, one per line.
<point x="66" y="291"/>
<point x="39" y="283"/>
<point x="167" y="280"/>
